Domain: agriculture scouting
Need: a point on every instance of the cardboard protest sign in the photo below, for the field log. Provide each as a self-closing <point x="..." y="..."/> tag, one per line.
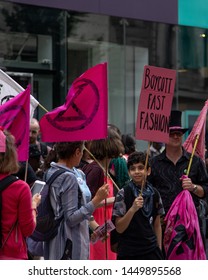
<point x="155" y="104"/>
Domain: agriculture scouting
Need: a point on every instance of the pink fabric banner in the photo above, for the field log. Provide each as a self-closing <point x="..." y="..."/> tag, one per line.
<point x="199" y="128"/>
<point x="182" y="237"/>
<point x="84" y="114"/>
<point x="2" y="142"/>
<point x="14" y="117"/>
<point x="155" y="104"/>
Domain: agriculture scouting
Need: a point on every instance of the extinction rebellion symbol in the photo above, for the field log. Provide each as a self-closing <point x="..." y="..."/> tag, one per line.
<point x="79" y="111"/>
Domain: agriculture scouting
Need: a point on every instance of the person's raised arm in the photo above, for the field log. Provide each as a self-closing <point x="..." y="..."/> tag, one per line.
<point x="122" y="223"/>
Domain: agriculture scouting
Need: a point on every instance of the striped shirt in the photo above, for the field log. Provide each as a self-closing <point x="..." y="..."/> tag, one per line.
<point x="73" y="231"/>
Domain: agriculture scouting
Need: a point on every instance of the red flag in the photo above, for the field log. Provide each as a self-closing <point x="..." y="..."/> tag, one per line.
<point x="198" y="129"/>
<point x="14" y="117"/>
<point x="84" y="113"/>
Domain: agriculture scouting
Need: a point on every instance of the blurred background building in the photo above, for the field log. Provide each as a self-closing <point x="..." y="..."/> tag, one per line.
<point x="50" y="43"/>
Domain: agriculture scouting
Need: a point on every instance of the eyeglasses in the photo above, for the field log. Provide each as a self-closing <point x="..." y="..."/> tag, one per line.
<point x="175" y="133"/>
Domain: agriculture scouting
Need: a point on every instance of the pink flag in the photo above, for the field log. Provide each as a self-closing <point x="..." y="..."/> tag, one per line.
<point x="14" y="117"/>
<point x="2" y="141"/>
<point x="182" y="237"/>
<point x="198" y="129"/>
<point x="84" y="113"/>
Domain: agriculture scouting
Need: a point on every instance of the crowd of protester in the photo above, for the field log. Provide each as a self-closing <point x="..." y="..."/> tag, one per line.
<point x="135" y="190"/>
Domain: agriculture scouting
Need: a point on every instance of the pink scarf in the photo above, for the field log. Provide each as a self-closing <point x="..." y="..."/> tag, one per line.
<point x="182" y="237"/>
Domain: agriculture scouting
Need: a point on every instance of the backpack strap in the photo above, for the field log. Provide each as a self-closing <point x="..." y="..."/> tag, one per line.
<point x="8" y="235"/>
<point x="4" y="183"/>
<point x="54" y="176"/>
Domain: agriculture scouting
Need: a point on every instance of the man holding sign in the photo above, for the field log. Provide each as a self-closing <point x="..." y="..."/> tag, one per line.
<point x="182" y="239"/>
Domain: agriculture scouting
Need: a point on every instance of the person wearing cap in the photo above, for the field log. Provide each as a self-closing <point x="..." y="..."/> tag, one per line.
<point x="169" y="168"/>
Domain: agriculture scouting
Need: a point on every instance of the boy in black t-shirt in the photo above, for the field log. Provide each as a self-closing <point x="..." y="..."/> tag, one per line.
<point x="137" y="211"/>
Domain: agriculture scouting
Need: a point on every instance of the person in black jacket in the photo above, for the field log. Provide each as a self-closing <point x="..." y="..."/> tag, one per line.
<point x="169" y="169"/>
<point x="37" y="149"/>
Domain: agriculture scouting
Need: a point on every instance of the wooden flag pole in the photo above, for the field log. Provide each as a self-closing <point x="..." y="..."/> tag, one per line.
<point x="145" y="167"/>
<point x="192" y="154"/>
<point x="41" y="106"/>
<point x="26" y="169"/>
<point x="102" y="168"/>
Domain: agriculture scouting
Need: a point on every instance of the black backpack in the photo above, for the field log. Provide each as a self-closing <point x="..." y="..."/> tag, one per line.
<point x="46" y="225"/>
<point x="4" y="183"/>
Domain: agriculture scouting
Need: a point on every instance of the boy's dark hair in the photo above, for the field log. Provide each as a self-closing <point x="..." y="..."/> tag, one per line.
<point x="137" y="157"/>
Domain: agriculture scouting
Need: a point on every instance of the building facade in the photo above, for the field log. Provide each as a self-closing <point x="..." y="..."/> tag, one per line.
<point x="51" y="43"/>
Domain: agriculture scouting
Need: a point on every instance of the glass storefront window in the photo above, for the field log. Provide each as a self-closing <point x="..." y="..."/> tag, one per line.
<point x="18" y="46"/>
<point x="56" y="46"/>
